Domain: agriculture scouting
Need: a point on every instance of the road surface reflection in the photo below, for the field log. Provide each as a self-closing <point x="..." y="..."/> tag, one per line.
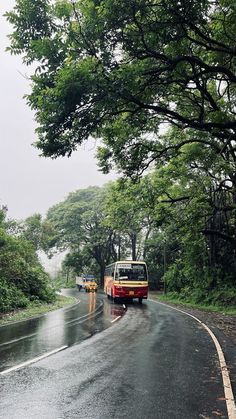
<point x="25" y="340"/>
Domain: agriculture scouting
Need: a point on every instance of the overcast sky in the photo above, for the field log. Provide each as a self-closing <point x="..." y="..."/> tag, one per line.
<point x="28" y="183"/>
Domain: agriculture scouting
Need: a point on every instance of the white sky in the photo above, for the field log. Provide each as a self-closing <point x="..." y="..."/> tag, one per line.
<point x="28" y="183"/>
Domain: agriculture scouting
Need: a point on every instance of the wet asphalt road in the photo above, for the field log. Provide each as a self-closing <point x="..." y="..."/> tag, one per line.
<point x="152" y="363"/>
<point x="25" y="340"/>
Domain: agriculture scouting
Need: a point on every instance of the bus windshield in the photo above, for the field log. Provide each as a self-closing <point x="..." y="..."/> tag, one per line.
<point x="131" y="272"/>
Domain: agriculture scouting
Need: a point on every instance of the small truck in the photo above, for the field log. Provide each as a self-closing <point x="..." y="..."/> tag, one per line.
<point x="86" y="283"/>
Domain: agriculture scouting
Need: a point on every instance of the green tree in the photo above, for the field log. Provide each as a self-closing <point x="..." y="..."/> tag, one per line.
<point x="190" y="204"/>
<point x="128" y="214"/>
<point x="22" y="278"/>
<point x="37" y="231"/>
<point x="121" y="69"/>
<point x="79" y="223"/>
<point x="124" y="70"/>
<point x="32" y="230"/>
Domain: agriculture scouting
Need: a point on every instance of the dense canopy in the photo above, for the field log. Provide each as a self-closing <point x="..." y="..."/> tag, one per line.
<point x="155" y="82"/>
<point x="121" y="69"/>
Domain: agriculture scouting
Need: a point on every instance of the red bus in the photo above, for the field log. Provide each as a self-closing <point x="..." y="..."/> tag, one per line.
<point x="126" y="279"/>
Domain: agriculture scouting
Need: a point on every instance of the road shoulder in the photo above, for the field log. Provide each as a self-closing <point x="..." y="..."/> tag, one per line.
<point x="224" y="328"/>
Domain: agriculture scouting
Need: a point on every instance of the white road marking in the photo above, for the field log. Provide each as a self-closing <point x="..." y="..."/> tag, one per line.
<point x="78" y="320"/>
<point x="40" y="315"/>
<point x="117" y="318"/>
<point x="229" y="397"/>
<point x="97" y="311"/>
<point x="32" y="361"/>
<point x="9" y="342"/>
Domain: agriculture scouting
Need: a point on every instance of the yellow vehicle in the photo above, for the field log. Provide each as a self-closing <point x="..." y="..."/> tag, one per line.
<point x="87" y="282"/>
<point x="90" y="285"/>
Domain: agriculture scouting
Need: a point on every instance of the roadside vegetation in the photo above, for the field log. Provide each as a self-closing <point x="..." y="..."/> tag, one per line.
<point x="26" y="290"/>
<point x="23" y="280"/>
<point x="155" y="82"/>
<point x="35" y="309"/>
<point x="65" y="278"/>
<point x="215" y="306"/>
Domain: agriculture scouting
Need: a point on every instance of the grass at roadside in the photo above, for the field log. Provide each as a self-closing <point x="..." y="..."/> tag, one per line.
<point x="169" y="298"/>
<point x="36" y="309"/>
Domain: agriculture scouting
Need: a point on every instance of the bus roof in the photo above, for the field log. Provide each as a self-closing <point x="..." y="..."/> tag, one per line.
<point x="128" y="261"/>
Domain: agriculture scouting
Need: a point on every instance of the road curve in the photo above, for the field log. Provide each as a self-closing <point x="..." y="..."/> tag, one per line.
<point x="25" y="340"/>
<point x="152" y="363"/>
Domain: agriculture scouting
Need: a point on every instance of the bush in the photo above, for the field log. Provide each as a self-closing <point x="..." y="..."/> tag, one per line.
<point x="38" y="287"/>
<point x="11" y="297"/>
<point x="175" y="277"/>
<point x="23" y="278"/>
<point x="201" y="287"/>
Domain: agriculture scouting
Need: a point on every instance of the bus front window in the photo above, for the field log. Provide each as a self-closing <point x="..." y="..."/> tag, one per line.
<point x="134" y="273"/>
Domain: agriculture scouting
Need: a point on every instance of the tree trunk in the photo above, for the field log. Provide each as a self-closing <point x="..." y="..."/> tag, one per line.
<point x="67" y="275"/>
<point x="119" y="247"/>
<point x="133" y="237"/>
<point x="145" y="243"/>
<point x="164" y="266"/>
<point x="102" y="272"/>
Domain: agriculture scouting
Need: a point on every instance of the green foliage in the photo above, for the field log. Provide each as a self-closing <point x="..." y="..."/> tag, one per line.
<point x="39" y="232"/>
<point x="35" y="308"/>
<point x="206" y="302"/>
<point x="32" y="230"/>
<point x="11" y="297"/>
<point x="223" y="298"/>
<point x="62" y="281"/>
<point x="22" y="277"/>
<point x="119" y="70"/>
<point x="79" y="225"/>
<point x="25" y="14"/>
<point x="167" y="212"/>
<point x="125" y="214"/>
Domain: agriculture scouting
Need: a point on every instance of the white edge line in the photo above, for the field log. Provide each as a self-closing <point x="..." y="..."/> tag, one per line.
<point x="34" y="334"/>
<point x="229" y="397"/>
<point x="117" y="318"/>
<point x="39" y="315"/>
<point x="9" y="342"/>
<point x="31" y="361"/>
<point x="86" y="316"/>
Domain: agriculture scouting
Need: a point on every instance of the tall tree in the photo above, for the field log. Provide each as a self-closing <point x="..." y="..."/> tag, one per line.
<point x="121" y="69"/>
<point x="22" y="277"/>
<point x="78" y="222"/>
<point x="128" y="214"/>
